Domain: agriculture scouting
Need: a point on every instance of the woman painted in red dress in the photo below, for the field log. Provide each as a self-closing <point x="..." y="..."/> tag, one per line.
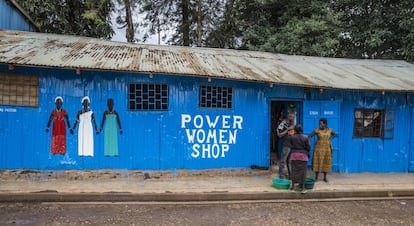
<point x="58" y="116"/>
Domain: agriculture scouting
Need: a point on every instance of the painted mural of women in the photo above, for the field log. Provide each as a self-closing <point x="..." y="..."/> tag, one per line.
<point x="58" y="116"/>
<point x="85" y="118"/>
<point x="111" y="119"/>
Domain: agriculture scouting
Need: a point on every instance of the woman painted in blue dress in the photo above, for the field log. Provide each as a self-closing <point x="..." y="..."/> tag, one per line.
<point x="111" y="119"/>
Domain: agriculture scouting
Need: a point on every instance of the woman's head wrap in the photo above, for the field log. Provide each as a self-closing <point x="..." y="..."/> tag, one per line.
<point x="86" y="98"/>
<point x="59" y="98"/>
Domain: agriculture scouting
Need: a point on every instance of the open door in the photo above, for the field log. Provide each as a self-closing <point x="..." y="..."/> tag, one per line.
<point x="312" y="112"/>
<point x="279" y="111"/>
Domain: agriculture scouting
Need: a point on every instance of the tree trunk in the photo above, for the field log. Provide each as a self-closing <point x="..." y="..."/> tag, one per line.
<point x="159" y="30"/>
<point x="186" y="23"/>
<point x="130" y="24"/>
<point x="199" y="22"/>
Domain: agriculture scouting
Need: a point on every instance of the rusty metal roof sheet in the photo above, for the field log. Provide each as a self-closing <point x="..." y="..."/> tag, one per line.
<point x="73" y="52"/>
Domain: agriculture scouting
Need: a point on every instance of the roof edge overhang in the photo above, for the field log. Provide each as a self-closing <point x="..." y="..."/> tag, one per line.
<point x="78" y="70"/>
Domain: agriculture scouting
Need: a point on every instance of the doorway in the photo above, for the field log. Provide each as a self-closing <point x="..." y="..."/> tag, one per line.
<point x="279" y="110"/>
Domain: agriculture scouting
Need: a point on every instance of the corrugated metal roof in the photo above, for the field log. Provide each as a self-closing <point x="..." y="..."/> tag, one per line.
<point x="49" y="50"/>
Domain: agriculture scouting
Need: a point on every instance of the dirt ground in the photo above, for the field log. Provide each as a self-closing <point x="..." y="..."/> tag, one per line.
<point x="385" y="212"/>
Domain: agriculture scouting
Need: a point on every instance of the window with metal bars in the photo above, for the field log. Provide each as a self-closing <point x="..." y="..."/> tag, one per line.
<point x="147" y="97"/>
<point x="368" y="123"/>
<point x="19" y="90"/>
<point x="216" y="97"/>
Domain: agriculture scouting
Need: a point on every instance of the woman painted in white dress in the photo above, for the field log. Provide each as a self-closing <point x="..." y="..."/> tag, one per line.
<point x="85" y="132"/>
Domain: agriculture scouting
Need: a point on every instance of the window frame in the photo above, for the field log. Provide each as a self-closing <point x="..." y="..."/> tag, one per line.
<point x="367" y="125"/>
<point x="215" y="97"/>
<point x="148" y="97"/>
<point x="19" y="90"/>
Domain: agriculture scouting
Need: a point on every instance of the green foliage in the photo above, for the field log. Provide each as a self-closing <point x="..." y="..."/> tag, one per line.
<point x="377" y="29"/>
<point x="299" y="27"/>
<point x="283" y="26"/>
<point x="178" y="20"/>
<point x="76" y="17"/>
<point x="407" y="48"/>
<point x="158" y="17"/>
<point x="231" y="28"/>
<point x="312" y="36"/>
<point x="337" y="28"/>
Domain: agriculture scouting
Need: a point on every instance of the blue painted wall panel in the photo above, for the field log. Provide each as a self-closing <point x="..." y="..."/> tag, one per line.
<point x="369" y="152"/>
<point x="315" y="110"/>
<point x="247" y="122"/>
<point x="397" y="159"/>
<point x="351" y="148"/>
<point x="411" y="141"/>
<point x="12" y="19"/>
<point x="312" y="114"/>
<point x="159" y="139"/>
<point x="150" y="140"/>
<point x="372" y="154"/>
<point x="375" y="154"/>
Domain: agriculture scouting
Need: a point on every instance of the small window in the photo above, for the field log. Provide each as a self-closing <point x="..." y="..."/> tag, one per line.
<point x="148" y="97"/>
<point x="19" y="90"/>
<point x="216" y="97"/>
<point x="368" y="123"/>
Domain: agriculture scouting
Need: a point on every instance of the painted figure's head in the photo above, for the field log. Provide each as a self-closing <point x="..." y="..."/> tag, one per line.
<point x="86" y="101"/>
<point x="110" y="103"/>
<point x="59" y="102"/>
<point x="323" y="123"/>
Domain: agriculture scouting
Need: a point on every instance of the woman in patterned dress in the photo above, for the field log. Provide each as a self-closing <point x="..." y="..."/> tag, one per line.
<point x="322" y="154"/>
<point x="58" y="116"/>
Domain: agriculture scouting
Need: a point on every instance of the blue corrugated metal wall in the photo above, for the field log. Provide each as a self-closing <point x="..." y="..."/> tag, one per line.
<point x="159" y="139"/>
<point x="150" y="140"/>
<point x="12" y="19"/>
<point x="372" y="154"/>
<point x="411" y="142"/>
<point x="315" y="110"/>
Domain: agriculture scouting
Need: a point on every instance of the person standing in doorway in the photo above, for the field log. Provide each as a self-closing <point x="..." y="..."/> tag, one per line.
<point x="322" y="154"/>
<point x="58" y="116"/>
<point x="85" y="132"/>
<point x="283" y="130"/>
<point x="111" y="119"/>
